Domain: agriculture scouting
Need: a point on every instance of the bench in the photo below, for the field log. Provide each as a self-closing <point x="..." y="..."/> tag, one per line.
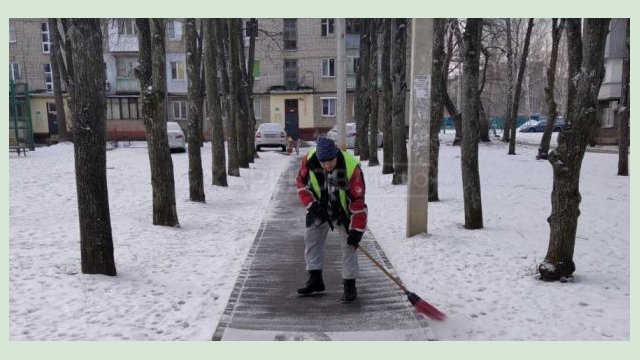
<point x="14" y="145"/>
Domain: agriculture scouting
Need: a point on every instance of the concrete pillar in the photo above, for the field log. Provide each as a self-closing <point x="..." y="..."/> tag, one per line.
<point x="419" y="119"/>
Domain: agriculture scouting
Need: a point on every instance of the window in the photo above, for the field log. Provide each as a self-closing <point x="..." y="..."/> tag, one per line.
<point x="46" y="43"/>
<point x="352" y="65"/>
<point x="48" y="78"/>
<point x="328" y="68"/>
<point x="177" y="70"/>
<point x="14" y="72"/>
<point x="290" y="34"/>
<point x="608" y="116"/>
<point x="353" y="26"/>
<point x="290" y="74"/>
<point x="125" y="67"/>
<point x="328" y="106"/>
<point x="326" y="26"/>
<point x="123" y="108"/>
<point x="180" y="110"/>
<point x="12" y="32"/>
<point x="174" y="30"/>
<point x="247" y="28"/>
<point x="257" y="108"/>
<point x="127" y="27"/>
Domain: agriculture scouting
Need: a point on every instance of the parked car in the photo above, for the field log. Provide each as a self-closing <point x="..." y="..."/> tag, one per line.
<point x="540" y="126"/>
<point x="177" y="141"/>
<point x="351" y="135"/>
<point x="271" y="135"/>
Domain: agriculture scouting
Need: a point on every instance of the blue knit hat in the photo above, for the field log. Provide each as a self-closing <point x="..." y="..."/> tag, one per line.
<point x="326" y="149"/>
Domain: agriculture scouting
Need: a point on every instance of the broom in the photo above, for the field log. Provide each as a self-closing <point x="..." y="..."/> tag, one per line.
<point x="418" y="303"/>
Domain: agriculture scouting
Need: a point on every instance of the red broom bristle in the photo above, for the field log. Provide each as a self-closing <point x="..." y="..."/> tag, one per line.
<point x="429" y="310"/>
<point x="425" y="308"/>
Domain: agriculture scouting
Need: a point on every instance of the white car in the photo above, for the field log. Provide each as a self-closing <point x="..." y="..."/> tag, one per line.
<point x="176" y="137"/>
<point x="351" y="135"/>
<point x="271" y="135"/>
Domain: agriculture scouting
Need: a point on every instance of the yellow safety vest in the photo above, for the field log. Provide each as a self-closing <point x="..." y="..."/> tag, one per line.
<point x="350" y="161"/>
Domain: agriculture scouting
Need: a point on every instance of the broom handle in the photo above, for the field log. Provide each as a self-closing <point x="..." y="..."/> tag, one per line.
<point x="376" y="263"/>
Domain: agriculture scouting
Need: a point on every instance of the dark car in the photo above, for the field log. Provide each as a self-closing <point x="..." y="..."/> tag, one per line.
<point x="540" y="125"/>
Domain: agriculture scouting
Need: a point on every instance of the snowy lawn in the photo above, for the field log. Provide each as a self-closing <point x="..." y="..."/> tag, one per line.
<point x="485" y="280"/>
<point x="172" y="283"/>
<point x="175" y="283"/>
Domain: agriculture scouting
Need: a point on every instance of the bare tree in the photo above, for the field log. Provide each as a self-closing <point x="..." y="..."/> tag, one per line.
<point x="438" y="87"/>
<point x="253" y="32"/>
<point x="238" y="113"/>
<point x="399" y="87"/>
<point x="624" y="111"/>
<point x="246" y="105"/>
<point x="508" y="120"/>
<point x="89" y="115"/>
<point x="469" y="152"/>
<point x="483" y="121"/>
<point x="373" y="92"/>
<point x="518" y="90"/>
<point x="193" y="59"/>
<point x="387" y="128"/>
<point x="549" y="90"/>
<point x="454" y="112"/>
<point x="228" y="94"/>
<point x="151" y="72"/>
<point x="566" y="160"/>
<point x="218" y="157"/>
<point x="57" y="62"/>
<point x="363" y="103"/>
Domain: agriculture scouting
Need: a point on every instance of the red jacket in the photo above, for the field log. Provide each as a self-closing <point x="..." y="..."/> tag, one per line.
<point x="357" y="209"/>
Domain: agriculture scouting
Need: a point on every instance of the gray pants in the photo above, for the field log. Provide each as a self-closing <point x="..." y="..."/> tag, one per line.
<point x="315" y="241"/>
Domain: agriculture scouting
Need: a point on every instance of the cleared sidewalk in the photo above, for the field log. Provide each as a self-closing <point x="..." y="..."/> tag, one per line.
<point x="263" y="304"/>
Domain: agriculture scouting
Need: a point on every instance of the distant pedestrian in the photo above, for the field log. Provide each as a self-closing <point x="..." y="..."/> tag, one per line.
<point x="331" y="187"/>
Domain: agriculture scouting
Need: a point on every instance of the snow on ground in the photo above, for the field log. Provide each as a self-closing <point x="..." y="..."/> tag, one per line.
<point x="485" y="280"/>
<point x="173" y="283"/>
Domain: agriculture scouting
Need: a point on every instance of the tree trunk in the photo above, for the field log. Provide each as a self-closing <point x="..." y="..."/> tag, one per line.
<point x="193" y="58"/>
<point x="218" y="157"/>
<point x="387" y="135"/>
<point x="89" y="114"/>
<point x="483" y="130"/>
<point x="556" y="34"/>
<point x="373" y="92"/>
<point x="566" y="160"/>
<point x="253" y="32"/>
<point x="508" y="121"/>
<point x="363" y="99"/>
<point x="151" y="72"/>
<point x="438" y="85"/>
<point x="623" y="115"/>
<point x="399" y="87"/>
<point x="238" y="112"/>
<point x="516" y="96"/>
<point x="469" y="152"/>
<point x="454" y="112"/>
<point x="244" y="96"/>
<point x="56" y="59"/>
<point x="222" y="35"/>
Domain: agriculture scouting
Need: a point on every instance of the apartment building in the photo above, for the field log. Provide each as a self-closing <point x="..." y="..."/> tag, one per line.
<point x="295" y="74"/>
<point x="29" y="62"/>
<point x="611" y="88"/>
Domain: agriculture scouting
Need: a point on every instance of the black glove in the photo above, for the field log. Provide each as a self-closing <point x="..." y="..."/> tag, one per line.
<point x="318" y="211"/>
<point x="354" y="238"/>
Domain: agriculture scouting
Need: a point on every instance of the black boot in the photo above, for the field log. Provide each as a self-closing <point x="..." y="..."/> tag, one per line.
<point x="350" y="292"/>
<point x="314" y="284"/>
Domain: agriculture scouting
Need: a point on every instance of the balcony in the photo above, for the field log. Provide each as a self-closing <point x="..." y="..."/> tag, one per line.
<point x="351" y="81"/>
<point x="127" y="85"/>
<point x="352" y="41"/>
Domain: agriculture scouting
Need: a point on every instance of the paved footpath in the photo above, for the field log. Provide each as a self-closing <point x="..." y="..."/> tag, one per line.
<point x="263" y="304"/>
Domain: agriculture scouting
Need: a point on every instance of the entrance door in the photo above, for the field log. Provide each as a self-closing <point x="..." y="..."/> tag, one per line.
<point x="291" y="118"/>
<point x="52" y="117"/>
